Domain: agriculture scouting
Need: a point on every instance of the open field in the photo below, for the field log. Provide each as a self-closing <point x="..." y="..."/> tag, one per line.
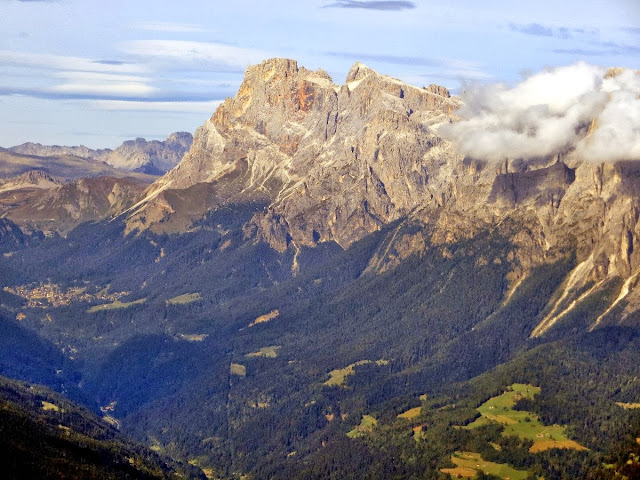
<point x="238" y="369"/>
<point x="268" y="352"/>
<point x="411" y="413"/>
<point x="193" y="337"/>
<point x="366" y="425"/>
<point x="541" y="445"/>
<point x="339" y="375"/>
<point x="115" y="305"/>
<point x="49" y="407"/>
<point x="267" y="317"/>
<point x="184" y="299"/>
<point x="468" y="464"/>
<point x="521" y="423"/>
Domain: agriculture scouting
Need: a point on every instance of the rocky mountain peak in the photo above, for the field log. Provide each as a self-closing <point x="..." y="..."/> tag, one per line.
<point x="291" y="138"/>
<point x="359" y="71"/>
<point x="181" y="138"/>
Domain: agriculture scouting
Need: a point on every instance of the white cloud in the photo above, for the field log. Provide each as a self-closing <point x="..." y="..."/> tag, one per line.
<point x="170" y="27"/>
<point x="102" y="84"/>
<point x="104" y="89"/>
<point x="100" y="77"/>
<point x="63" y="62"/>
<point x="551" y="112"/>
<point x="183" y="107"/>
<point x="203" y="54"/>
<point x="617" y="135"/>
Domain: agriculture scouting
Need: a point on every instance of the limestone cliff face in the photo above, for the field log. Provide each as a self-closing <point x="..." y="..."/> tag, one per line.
<point x="336" y="162"/>
<point x="332" y="162"/>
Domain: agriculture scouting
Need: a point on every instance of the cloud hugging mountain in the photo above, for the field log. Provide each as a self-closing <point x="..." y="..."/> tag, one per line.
<point x="583" y="107"/>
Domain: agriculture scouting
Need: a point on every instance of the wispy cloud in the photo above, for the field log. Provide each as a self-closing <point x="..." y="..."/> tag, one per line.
<point x="178" y="107"/>
<point x="443" y="68"/>
<point x="125" y="91"/>
<point x="103" y="85"/>
<point x="75" y="92"/>
<point x="110" y="62"/>
<point x="211" y="56"/>
<point x="57" y="77"/>
<point x="602" y="48"/>
<point x="583" y="52"/>
<point x="119" y="90"/>
<point x="63" y="62"/>
<point x="539" y="30"/>
<point x="373" y="4"/>
<point x="392" y="59"/>
<point x="169" y="27"/>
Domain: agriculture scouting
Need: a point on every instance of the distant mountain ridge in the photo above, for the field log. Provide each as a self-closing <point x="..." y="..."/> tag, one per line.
<point x="152" y="157"/>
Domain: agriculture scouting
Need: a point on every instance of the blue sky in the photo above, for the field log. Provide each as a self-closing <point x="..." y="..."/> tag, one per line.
<point x="96" y="73"/>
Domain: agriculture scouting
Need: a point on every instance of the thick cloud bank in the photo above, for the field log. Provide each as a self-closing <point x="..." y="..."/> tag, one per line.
<point x="588" y="109"/>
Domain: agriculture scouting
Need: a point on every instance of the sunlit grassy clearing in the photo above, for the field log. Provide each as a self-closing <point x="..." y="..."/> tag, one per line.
<point x="338" y="376"/>
<point x="366" y="425"/>
<point x="49" y="407"/>
<point x="115" y="305"/>
<point x="237" y="369"/>
<point x="184" y="299"/>
<point x="468" y="464"/>
<point x="521" y="423"/>
<point x="267" y="317"/>
<point x="268" y="352"/>
<point x="411" y="413"/>
<point x="193" y="337"/>
<point x="418" y="433"/>
<point x="542" y="445"/>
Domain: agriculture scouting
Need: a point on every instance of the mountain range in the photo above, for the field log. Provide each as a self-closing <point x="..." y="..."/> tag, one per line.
<point x="139" y="155"/>
<point x="328" y="285"/>
<point x="52" y="189"/>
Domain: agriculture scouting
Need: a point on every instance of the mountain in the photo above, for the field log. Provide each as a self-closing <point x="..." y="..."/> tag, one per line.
<point x="343" y="160"/>
<point x="38" y="202"/>
<point x="326" y="287"/>
<point x="53" y="194"/>
<point x="64" y="167"/>
<point x="46" y="436"/>
<point x="153" y="157"/>
<point x="334" y="163"/>
<point x="139" y="155"/>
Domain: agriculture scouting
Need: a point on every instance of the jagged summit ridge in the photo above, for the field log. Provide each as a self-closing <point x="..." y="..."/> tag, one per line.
<point x="294" y="140"/>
